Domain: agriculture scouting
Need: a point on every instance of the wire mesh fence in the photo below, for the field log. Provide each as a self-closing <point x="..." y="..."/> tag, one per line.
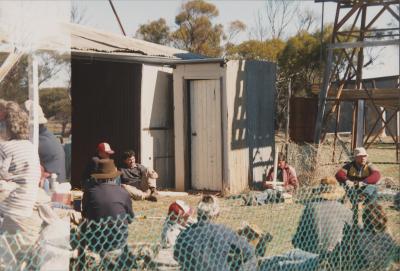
<point x="316" y="229"/>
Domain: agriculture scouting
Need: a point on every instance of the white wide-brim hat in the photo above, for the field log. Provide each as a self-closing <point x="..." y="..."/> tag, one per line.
<point x="29" y="106"/>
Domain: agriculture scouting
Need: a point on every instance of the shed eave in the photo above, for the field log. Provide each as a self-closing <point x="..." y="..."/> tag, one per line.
<point x="156" y="60"/>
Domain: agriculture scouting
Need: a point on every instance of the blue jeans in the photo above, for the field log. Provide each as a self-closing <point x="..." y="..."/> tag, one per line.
<point x="268" y="196"/>
<point x="295" y="259"/>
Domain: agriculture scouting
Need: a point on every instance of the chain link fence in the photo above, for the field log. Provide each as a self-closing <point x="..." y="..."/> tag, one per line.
<point x="314" y="230"/>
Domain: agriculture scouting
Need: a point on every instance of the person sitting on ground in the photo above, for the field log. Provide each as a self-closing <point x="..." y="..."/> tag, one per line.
<point x="51" y="152"/>
<point x="359" y="172"/>
<point x="178" y="219"/>
<point x="104" y="151"/>
<point x="19" y="174"/>
<point x="107" y="208"/>
<point x="286" y="183"/>
<point x="138" y="180"/>
<point x="209" y="246"/>
<point x="323" y="220"/>
<point x="372" y="245"/>
<point x="286" y="175"/>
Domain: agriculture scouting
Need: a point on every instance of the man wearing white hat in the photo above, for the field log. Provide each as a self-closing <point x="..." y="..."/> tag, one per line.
<point x="51" y="152"/>
<point x="360" y="171"/>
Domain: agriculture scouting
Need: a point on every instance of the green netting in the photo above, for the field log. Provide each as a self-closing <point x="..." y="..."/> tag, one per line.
<point x="258" y="231"/>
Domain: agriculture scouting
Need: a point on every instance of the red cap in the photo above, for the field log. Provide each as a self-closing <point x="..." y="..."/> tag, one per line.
<point x="105" y="147"/>
<point x="179" y="208"/>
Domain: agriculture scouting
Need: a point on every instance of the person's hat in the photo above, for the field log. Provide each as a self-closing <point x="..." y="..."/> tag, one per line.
<point x="360" y="152"/>
<point x="106" y="169"/>
<point x="330" y="189"/>
<point x="179" y="208"/>
<point x="29" y="106"/>
<point x="105" y="147"/>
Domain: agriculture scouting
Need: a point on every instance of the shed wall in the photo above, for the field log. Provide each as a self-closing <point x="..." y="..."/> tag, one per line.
<point x="105" y="107"/>
<point x="181" y="75"/>
<point x="157" y="126"/>
<point x="250" y="99"/>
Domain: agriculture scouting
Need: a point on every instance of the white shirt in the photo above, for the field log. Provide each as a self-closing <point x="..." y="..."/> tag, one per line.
<point x="19" y="163"/>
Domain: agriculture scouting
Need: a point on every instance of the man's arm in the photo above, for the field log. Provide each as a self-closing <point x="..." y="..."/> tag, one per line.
<point x="270" y="175"/>
<point x="374" y="175"/>
<point x="341" y="175"/>
<point x="293" y="181"/>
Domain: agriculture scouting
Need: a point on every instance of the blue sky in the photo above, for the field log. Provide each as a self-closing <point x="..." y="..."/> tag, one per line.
<point x="134" y="12"/>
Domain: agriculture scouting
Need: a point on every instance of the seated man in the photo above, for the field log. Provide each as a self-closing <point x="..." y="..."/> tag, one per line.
<point x="209" y="246"/>
<point x="323" y="221"/>
<point x="104" y="151"/>
<point x="359" y="172"/>
<point x="287" y="183"/>
<point x="139" y="181"/>
<point x="286" y="175"/>
<point x="107" y="208"/>
<point x="178" y="219"/>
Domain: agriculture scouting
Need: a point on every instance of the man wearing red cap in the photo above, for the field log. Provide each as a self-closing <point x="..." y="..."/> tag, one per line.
<point x="104" y="151"/>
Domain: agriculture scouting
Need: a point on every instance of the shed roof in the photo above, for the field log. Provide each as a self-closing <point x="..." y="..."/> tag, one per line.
<point x="87" y="39"/>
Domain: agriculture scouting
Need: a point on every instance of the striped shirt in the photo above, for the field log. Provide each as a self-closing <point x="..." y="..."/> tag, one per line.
<point x="19" y="163"/>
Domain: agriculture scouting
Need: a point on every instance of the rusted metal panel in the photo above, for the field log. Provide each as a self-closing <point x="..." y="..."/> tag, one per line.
<point x="105" y="107"/>
<point x="302" y="119"/>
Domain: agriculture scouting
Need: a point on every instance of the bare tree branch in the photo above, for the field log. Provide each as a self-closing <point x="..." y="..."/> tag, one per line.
<point x="279" y="13"/>
<point x="306" y="20"/>
<point x="78" y="13"/>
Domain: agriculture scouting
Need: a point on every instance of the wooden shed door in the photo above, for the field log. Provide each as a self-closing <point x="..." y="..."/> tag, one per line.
<point x="205" y="123"/>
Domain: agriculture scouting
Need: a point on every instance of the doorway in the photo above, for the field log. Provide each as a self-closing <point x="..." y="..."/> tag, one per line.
<point x="205" y="135"/>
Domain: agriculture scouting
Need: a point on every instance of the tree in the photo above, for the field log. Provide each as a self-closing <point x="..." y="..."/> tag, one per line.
<point x="56" y="104"/>
<point x="234" y="28"/>
<point x="257" y="50"/>
<point x="78" y="13"/>
<point x="279" y="13"/>
<point x="196" y="32"/>
<point x="259" y="31"/>
<point x="306" y="20"/>
<point x="301" y="63"/>
<point x="155" y="31"/>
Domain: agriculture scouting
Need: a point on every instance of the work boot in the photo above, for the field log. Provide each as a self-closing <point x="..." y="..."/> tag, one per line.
<point x="152" y="198"/>
<point x="153" y="191"/>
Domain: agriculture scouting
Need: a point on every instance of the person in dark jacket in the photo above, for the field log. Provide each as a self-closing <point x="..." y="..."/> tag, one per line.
<point x="370" y="247"/>
<point x="51" y="152"/>
<point x="209" y="246"/>
<point x="107" y="207"/>
<point x="137" y="179"/>
<point x="323" y="221"/>
<point x="104" y="151"/>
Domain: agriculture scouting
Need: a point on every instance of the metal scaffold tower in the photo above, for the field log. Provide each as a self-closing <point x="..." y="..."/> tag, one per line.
<point x="354" y="30"/>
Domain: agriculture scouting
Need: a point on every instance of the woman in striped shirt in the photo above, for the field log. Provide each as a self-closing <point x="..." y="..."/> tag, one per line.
<point x="19" y="173"/>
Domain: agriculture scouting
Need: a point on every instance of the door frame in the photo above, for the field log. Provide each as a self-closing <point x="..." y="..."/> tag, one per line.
<point x="187" y="127"/>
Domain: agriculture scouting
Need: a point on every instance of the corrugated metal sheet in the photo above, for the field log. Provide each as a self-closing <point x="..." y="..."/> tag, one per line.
<point x="105" y="107"/>
<point x="88" y="39"/>
<point x="85" y="38"/>
<point x="303" y="112"/>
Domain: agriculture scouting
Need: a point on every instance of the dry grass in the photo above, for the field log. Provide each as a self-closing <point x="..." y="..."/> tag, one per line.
<point x="281" y="220"/>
